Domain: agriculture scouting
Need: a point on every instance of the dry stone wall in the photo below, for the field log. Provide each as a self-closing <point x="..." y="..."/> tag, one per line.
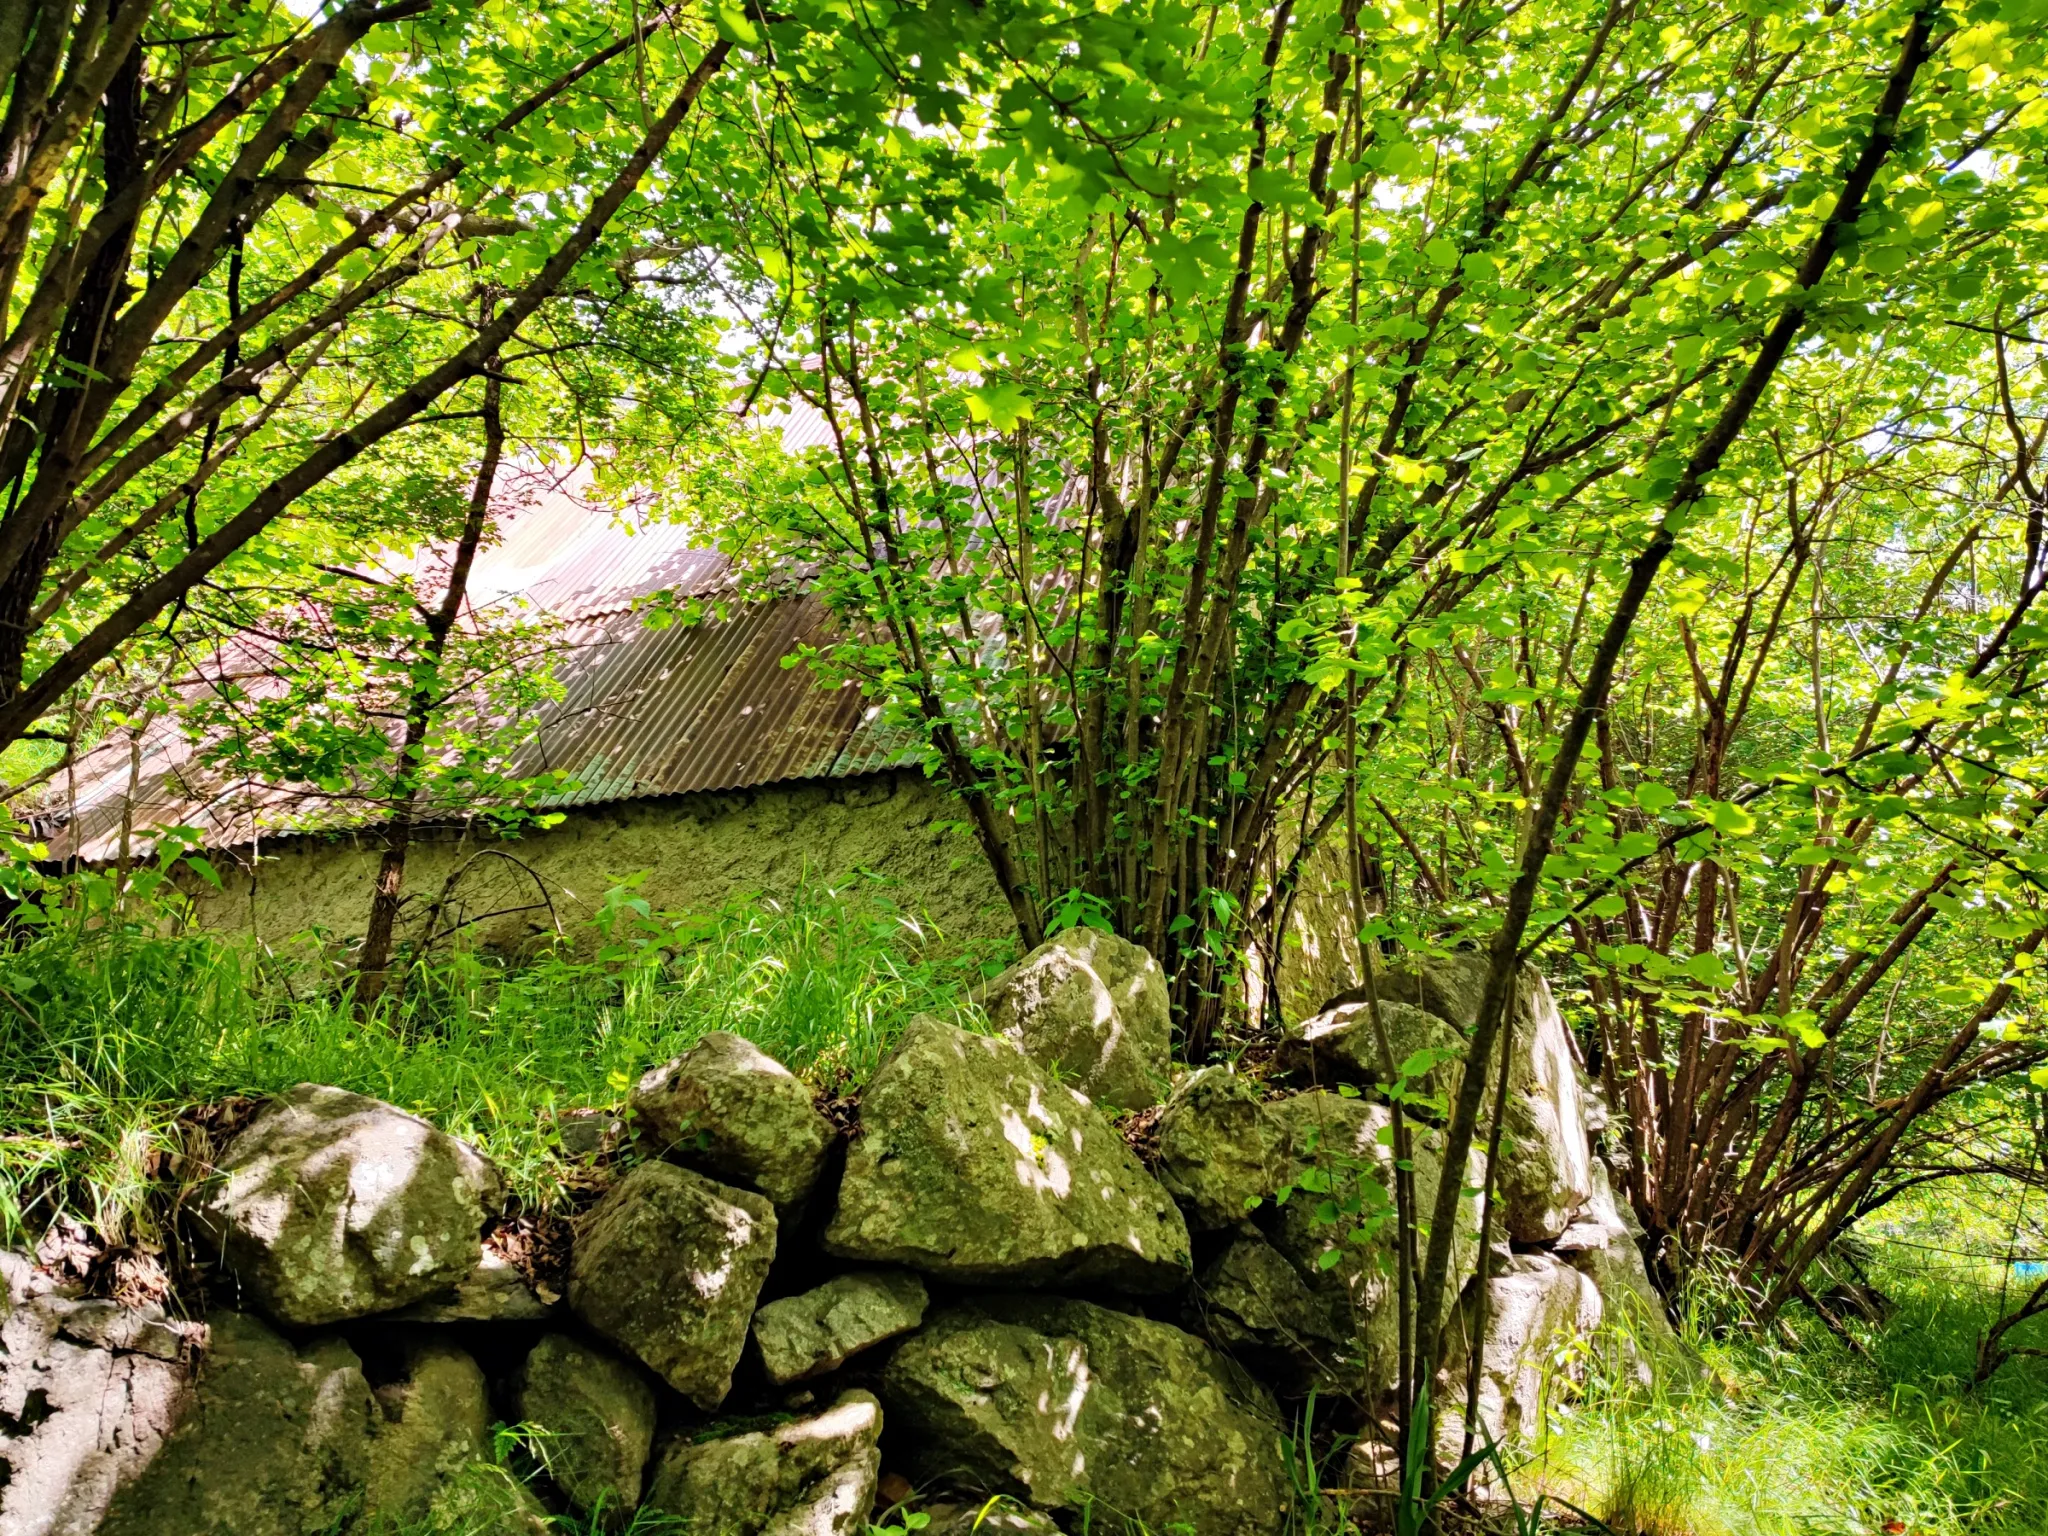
<point x="774" y="1324"/>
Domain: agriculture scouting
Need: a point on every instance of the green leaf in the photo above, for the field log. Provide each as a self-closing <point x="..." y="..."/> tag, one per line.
<point x="1655" y="798"/>
<point x="734" y="26"/>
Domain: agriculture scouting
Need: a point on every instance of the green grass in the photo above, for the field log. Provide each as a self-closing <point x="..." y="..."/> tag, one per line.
<point x="109" y="1028"/>
<point x="1810" y="1439"/>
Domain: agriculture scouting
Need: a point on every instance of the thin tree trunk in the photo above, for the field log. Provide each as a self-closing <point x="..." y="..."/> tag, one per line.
<point x="373" y="965"/>
<point x="1592" y="701"/>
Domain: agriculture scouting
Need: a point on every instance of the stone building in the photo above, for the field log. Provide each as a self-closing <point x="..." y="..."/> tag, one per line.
<point x="697" y="764"/>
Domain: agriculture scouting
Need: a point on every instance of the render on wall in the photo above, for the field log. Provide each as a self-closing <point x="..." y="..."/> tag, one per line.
<point x="310" y="894"/>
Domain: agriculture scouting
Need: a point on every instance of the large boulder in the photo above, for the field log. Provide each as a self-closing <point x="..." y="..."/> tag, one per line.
<point x="1545" y="1176"/>
<point x="332" y="1206"/>
<point x="729" y="1106"/>
<point x="277" y="1443"/>
<point x="1093" y="1007"/>
<point x="88" y="1393"/>
<point x="668" y="1266"/>
<point x="1076" y="1408"/>
<point x="813" y="1477"/>
<point x="819" y="1331"/>
<point x="1220" y="1148"/>
<point x="592" y="1420"/>
<point x="1341" y="1235"/>
<point x="1538" y="1313"/>
<point x="974" y="1165"/>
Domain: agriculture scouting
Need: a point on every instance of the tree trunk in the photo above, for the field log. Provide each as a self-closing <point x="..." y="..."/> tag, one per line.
<point x="373" y="965"/>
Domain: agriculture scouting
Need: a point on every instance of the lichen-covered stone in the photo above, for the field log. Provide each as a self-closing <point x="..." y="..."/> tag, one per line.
<point x="332" y="1206"/>
<point x="1093" y="1007"/>
<point x="973" y="1165"/>
<point x="1339" y="1045"/>
<point x="1220" y="1149"/>
<point x="276" y="1443"/>
<point x="814" y="1477"/>
<point x="1071" y="1406"/>
<point x="592" y="1418"/>
<point x="1545" y="1176"/>
<point x="1345" y="1145"/>
<point x="668" y="1266"/>
<point x="88" y="1392"/>
<point x="1252" y="1302"/>
<point x="431" y="1426"/>
<point x="728" y="1106"/>
<point x="1537" y="1311"/>
<point x="808" y="1335"/>
<point x="1636" y="1336"/>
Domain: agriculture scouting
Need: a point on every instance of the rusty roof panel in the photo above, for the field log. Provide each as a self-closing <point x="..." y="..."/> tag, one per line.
<point x="645" y="711"/>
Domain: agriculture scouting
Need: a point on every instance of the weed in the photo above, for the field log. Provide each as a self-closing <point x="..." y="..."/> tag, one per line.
<point x="110" y="1025"/>
<point x="1804" y="1436"/>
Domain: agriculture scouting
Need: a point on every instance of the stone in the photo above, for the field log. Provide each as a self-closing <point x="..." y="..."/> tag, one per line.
<point x="1253" y="1303"/>
<point x="1537" y="1310"/>
<point x="668" y="1267"/>
<point x="109" y="1325"/>
<point x="1219" y="1147"/>
<point x="819" y="1331"/>
<point x="494" y="1291"/>
<point x="1546" y="1173"/>
<point x="1338" y="1045"/>
<point x="86" y="1400"/>
<point x="1545" y="1176"/>
<point x="592" y="1418"/>
<point x="996" y="1516"/>
<point x="1345" y="1143"/>
<point x="332" y="1206"/>
<point x="812" y="1477"/>
<point x="275" y="1443"/>
<point x="1635" y="1328"/>
<point x="1076" y="1408"/>
<point x="1093" y="1008"/>
<point x="431" y="1426"/>
<point x="587" y="1133"/>
<point x="729" y="1107"/>
<point x="973" y="1165"/>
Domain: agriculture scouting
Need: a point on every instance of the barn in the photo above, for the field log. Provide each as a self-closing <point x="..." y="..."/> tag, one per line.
<point x="697" y="767"/>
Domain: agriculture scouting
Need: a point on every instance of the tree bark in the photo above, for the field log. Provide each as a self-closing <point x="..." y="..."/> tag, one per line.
<point x="373" y="965"/>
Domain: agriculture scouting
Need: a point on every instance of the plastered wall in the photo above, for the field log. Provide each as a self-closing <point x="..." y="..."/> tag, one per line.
<point x="699" y="851"/>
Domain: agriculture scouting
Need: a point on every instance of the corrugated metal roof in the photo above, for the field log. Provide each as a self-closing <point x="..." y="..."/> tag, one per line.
<point x="646" y="711"/>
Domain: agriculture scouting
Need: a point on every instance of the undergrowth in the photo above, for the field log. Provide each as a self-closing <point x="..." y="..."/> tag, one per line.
<point x="1800" y="1434"/>
<point x="112" y="1022"/>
